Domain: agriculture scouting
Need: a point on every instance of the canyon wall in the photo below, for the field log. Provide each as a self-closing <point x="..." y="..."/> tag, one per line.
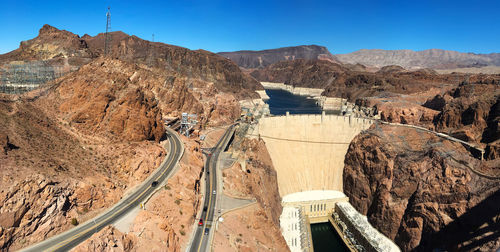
<point x="423" y="192"/>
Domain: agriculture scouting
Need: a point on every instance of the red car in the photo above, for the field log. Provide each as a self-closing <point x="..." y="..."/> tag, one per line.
<point x="200" y="223"/>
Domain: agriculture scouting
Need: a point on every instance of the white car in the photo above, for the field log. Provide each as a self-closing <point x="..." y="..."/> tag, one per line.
<point x="214" y="192"/>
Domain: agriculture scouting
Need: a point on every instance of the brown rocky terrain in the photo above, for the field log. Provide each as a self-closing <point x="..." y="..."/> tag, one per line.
<point x="264" y="58"/>
<point x="301" y="72"/>
<point x="167" y="220"/>
<point x="50" y="44"/>
<point x="423" y="192"/>
<point x="345" y="81"/>
<point x="255" y="227"/>
<point x="64" y="49"/>
<point x="84" y="138"/>
<point x="53" y="173"/>
<point x="108" y="239"/>
<point x="432" y="58"/>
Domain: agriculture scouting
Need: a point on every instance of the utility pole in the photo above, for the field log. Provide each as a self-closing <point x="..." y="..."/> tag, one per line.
<point x="151" y="55"/>
<point x="107" y="37"/>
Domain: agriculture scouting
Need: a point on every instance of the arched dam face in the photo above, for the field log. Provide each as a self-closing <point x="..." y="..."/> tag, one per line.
<point x="308" y="150"/>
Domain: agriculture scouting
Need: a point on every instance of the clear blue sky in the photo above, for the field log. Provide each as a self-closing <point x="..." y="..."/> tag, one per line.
<point x="216" y="25"/>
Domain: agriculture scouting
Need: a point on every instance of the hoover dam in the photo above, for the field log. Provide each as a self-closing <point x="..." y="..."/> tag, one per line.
<point x="307" y="151"/>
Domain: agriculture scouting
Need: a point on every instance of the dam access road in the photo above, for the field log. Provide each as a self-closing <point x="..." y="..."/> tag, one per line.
<point x="201" y="240"/>
<point x="71" y="238"/>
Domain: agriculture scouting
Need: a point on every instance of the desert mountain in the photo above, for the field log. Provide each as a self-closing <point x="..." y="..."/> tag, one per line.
<point x="261" y="59"/>
<point x="432" y="58"/>
<point x="57" y="49"/>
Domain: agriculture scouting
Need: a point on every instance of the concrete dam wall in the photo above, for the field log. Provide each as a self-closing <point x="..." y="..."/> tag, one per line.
<point x="308" y="150"/>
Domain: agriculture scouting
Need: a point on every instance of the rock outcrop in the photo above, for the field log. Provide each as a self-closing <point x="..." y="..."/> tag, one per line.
<point x="50" y="43"/>
<point x="264" y="58"/>
<point x="301" y="72"/>
<point x="421" y="191"/>
<point x="53" y="173"/>
<point x="107" y="240"/>
<point x="470" y="112"/>
<point x="101" y="99"/>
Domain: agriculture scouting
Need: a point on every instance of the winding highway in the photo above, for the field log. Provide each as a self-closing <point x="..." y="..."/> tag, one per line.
<point x="71" y="238"/>
<point x="201" y="239"/>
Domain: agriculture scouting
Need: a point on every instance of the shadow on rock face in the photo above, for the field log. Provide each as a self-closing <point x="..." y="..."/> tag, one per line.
<point x="471" y="231"/>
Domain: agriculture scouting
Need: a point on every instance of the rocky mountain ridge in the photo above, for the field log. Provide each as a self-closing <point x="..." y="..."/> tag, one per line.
<point x="264" y="58"/>
<point x="409" y="59"/>
<point x="60" y="48"/>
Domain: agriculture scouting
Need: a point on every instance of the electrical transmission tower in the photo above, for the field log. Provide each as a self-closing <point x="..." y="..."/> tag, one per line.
<point x="107" y="37"/>
<point x="188" y="121"/>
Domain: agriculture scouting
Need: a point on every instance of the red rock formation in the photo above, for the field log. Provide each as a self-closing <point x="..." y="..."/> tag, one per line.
<point x="53" y="173"/>
<point x="300" y="72"/>
<point x="341" y="81"/>
<point x="421" y="191"/>
<point x="101" y="99"/>
<point x="63" y="48"/>
<point x="49" y="44"/>
<point x="470" y="112"/>
<point x="264" y="58"/>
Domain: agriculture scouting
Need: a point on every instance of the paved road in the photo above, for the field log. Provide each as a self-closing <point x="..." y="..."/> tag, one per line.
<point x="71" y="238"/>
<point x="201" y="239"/>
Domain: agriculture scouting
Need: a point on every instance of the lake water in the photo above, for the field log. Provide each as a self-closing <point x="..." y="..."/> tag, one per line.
<point x="282" y="101"/>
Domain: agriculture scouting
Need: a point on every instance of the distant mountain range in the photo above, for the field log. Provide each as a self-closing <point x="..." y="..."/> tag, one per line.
<point x="409" y="59"/>
<point x="432" y="58"/>
<point x="264" y="58"/>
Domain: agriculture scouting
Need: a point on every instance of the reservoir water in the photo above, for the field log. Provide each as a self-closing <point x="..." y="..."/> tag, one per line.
<point x="324" y="236"/>
<point x="281" y="101"/>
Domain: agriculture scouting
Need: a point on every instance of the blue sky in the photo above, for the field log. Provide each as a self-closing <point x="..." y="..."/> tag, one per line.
<point x="217" y="25"/>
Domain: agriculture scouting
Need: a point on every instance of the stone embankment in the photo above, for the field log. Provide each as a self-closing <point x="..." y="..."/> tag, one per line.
<point x="358" y="230"/>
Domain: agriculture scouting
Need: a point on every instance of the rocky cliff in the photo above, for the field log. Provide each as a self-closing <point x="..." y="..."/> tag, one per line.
<point x="423" y="192"/>
<point x="53" y="173"/>
<point x="346" y="81"/>
<point x="471" y="112"/>
<point x="264" y="58"/>
<point x="432" y="58"/>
